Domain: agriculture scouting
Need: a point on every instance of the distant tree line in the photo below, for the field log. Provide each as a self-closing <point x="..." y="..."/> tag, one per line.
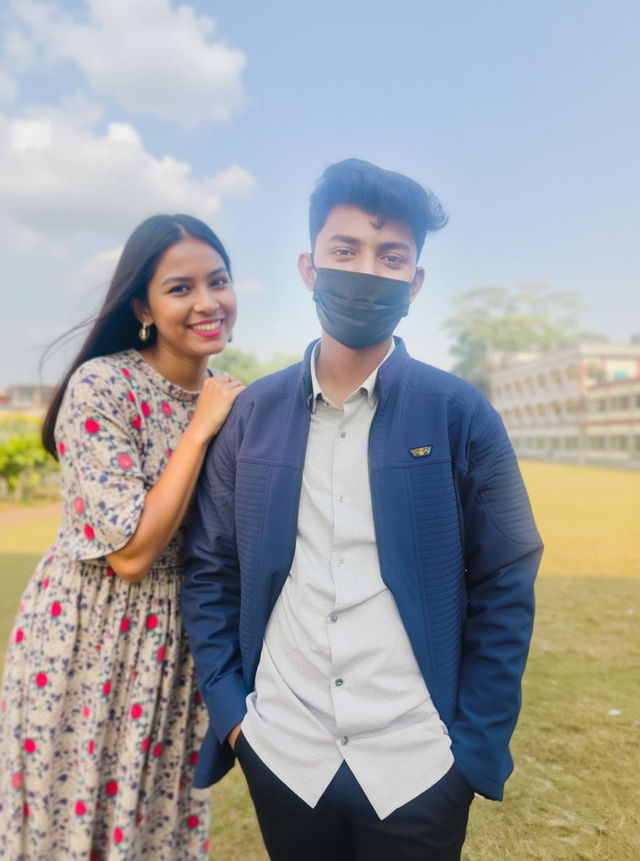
<point x="23" y="461"/>
<point x="525" y="318"/>
<point x="246" y="367"/>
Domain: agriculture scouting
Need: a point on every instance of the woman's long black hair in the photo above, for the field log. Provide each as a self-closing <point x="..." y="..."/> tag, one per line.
<point x="115" y="327"/>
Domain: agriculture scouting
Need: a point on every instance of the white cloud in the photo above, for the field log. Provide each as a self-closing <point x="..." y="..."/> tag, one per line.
<point x="98" y="270"/>
<point x="34" y="135"/>
<point x="60" y="179"/>
<point x="234" y="181"/>
<point x="148" y="56"/>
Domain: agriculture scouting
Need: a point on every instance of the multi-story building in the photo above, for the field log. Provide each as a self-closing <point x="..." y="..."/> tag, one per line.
<point x="28" y="399"/>
<point x="579" y="403"/>
<point x="612" y="422"/>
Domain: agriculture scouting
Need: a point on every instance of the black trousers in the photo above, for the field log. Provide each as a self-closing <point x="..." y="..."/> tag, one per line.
<point x="344" y="827"/>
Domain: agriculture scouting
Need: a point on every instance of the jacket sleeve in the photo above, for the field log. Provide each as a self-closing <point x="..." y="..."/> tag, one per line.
<point x="211" y="586"/>
<point x="502" y="555"/>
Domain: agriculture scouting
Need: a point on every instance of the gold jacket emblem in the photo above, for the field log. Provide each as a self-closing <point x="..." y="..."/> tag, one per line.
<point x="422" y="451"/>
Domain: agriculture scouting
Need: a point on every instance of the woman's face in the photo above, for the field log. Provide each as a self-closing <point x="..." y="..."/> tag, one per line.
<point x="190" y="301"/>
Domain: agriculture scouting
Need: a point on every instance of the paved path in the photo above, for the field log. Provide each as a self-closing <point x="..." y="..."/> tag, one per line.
<point x="15" y="516"/>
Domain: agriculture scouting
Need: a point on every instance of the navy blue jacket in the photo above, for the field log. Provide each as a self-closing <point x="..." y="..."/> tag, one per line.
<point x="458" y="549"/>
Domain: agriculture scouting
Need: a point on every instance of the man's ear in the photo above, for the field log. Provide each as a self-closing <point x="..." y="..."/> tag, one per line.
<point x="416" y="284"/>
<point x="141" y="310"/>
<point x="307" y="270"/>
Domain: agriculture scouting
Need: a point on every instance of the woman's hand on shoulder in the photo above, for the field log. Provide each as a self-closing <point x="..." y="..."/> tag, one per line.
<point x="214" y="404"/>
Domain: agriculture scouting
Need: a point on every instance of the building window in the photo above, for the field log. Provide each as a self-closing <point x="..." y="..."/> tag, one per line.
<point x="619" y="443"/>
<point x="620" y="403"/>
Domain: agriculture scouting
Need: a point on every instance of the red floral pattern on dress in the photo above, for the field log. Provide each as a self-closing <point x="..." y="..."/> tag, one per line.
<point x="124" y="461"/>
<point x="106" y="660"/>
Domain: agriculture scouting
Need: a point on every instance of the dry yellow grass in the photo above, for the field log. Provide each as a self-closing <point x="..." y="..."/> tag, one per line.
<point x="569" y="798"/>
<point x="589" y="519"/>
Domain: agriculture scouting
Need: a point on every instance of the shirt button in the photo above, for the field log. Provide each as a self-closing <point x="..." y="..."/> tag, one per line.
<point x="343" y="434"/>
<point x="333" y="617"/>
<point x="340" y="498"/>
<point x="339" y="682"/>
<point x="339" y="560"/>
<point x="344" y="739"/>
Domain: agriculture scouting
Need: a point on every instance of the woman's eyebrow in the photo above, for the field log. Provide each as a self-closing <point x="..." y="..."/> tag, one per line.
<point x="182" y="278"/>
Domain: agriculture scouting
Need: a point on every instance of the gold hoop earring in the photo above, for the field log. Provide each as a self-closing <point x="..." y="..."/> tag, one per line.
<point x="144" y="332"/>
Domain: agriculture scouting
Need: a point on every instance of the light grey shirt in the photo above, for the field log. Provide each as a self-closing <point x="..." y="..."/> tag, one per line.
<point x="337" y="678"/>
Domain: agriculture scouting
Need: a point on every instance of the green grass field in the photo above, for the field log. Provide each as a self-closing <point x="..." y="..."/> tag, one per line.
<point x="574" y="793"/>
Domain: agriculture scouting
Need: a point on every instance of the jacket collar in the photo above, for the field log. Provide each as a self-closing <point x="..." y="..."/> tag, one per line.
<point x="390" y="370"/>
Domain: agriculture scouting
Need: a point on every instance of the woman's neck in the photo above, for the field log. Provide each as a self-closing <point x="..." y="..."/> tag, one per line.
<point x="188" y="372"/>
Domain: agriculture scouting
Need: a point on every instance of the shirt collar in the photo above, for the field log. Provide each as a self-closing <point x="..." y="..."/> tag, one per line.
<point x="367" y="388"/>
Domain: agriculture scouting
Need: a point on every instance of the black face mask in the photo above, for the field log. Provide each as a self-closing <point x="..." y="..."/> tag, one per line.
<point x="357" y="309"/>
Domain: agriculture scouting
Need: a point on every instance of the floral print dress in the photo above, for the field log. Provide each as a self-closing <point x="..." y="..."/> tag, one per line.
<point x="100" y="717"/>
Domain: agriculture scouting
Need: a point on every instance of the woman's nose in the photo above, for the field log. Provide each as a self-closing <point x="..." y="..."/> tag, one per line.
<point x="205" y="300"/>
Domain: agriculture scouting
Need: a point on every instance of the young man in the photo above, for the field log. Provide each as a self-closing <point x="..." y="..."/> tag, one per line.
<point x="359" y="572"/>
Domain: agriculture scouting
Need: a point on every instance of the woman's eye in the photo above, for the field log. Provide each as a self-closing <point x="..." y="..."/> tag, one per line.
<point x="220" y="283"/>
<point x="179" y="288"/>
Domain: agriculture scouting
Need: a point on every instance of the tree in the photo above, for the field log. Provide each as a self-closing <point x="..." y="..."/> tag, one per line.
<point x="23" y="460"/>
<point x="246" y="368"/>
<point x="525" y="318"/>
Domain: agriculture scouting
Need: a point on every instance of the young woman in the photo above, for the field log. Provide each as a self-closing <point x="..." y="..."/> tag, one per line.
<point x="100" y="718"/>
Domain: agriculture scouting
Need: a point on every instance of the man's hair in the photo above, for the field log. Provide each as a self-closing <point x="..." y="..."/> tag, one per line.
<point x="383" y="193"/>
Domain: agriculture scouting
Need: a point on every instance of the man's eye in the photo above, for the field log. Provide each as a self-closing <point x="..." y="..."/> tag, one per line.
<point x="394" y="259"/>
<point x="343" y="252"/>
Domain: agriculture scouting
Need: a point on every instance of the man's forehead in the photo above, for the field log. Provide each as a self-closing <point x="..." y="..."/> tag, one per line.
<point x="346" y="222"/>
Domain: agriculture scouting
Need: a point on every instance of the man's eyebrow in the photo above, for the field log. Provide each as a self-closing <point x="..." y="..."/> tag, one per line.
<point x="182" y="278"/>
<point x="395" y="246"/>
<point x="349" y="240"/>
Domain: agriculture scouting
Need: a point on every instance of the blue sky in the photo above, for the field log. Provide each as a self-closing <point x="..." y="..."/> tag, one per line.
<point x="522" y="117"/>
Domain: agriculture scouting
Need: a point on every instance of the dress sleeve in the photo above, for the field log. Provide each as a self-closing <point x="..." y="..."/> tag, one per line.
<point x="99" y="448"/>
